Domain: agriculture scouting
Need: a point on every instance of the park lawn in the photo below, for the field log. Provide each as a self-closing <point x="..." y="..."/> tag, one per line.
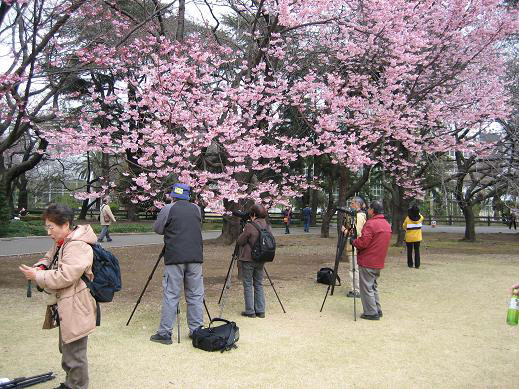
<point x="443" y="325"/>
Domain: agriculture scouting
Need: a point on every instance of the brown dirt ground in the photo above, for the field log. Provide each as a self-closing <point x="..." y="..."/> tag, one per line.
<point x="443" y="325"/>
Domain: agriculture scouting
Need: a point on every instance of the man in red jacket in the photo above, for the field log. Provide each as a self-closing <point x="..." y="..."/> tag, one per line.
<point x="372" y="249"/>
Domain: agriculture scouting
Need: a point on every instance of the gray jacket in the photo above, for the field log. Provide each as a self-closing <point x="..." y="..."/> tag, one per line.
<point x="181" y="225"/>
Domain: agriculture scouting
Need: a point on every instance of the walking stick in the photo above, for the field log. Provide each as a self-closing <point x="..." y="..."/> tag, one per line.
<point x="147" y="282"/>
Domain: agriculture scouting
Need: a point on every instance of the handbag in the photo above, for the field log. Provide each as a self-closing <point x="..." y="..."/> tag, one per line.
<point x="216" y="338"/>
<point x="325" y="275"/>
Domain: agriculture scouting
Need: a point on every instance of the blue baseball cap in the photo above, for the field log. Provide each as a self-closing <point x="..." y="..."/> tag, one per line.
<point x="180" y="191"/>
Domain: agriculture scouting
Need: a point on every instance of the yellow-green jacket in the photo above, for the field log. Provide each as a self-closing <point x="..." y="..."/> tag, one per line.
<point x="413" y="229"/>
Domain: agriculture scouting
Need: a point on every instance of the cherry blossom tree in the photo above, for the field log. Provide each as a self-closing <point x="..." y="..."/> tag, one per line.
<point x="364" y="83"/>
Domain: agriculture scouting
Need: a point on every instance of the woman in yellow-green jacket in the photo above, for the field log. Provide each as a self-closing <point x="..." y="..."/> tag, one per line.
<point x="413" y="235"/>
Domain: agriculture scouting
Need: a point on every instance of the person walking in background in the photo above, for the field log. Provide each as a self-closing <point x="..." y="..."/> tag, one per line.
<point x="181" y="224"/>
<point x="252" y="271"/>
<point x="106" y="217"/>
<point x="413" y="235"/>
<point x="372" y="250"/>
<point x="70" y="306"/>
<point x="287" y="218"/>
<point x="307" y="218"/>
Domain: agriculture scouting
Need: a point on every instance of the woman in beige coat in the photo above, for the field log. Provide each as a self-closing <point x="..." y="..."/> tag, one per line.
<point x="70" y="307"/>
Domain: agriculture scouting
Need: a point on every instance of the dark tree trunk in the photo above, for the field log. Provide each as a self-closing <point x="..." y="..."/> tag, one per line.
<point x="330" y="209"/>
<point x="400" y="204"/>
<point x="180" y="20"/>
<point x="470" y="224"/>
<point x="231" y="224"/>
<point x="341" y="201"/>
<point x="23" y="194"/>
<point x="315" y="195"/>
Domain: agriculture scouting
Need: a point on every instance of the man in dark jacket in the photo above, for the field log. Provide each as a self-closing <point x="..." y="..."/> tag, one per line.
<point x="181" y="224"/>
<point x="307" y="217"/>
<point x="372" y="249"/>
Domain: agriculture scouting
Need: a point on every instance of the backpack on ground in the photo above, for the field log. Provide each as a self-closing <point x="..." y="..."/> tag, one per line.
<point x="107" y="275"/>
<point x="325" y="276"/>
<point x="264" y="249"/>
<point x="218" y="338"/>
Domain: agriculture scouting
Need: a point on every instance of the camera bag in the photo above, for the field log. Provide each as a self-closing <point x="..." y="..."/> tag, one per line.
<point x="216" y="338"/>
<point x="325" y="275"/>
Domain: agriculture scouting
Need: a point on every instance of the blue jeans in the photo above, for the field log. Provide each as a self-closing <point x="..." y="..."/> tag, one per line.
<point x="104" y="232"/>
<point x="307" y="224"/>
<point x="252" y="273"/>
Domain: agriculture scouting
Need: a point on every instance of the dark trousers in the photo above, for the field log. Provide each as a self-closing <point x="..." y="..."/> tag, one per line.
<point x="74" y="362"/>
<point x="512" y="222"/>
<point x="254" y="296"/>
<point x="287" y="230"/>
<point x="416" y="246"/>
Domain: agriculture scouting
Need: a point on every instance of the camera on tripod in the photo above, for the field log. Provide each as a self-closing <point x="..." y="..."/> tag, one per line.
<point x="350" y="211"/>
<point x="244" y="216"/>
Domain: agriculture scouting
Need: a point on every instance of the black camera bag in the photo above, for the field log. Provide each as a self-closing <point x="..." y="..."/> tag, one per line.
<point x="217" y="338"/>
<point x="325" y="275"/>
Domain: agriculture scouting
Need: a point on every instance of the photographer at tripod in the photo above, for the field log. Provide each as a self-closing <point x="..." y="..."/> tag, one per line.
<point x="357" y="205"/>
<point x="252" y="271"/>
<point x="181" y="224"/>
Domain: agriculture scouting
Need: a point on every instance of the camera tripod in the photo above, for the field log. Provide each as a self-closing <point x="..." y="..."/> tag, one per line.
<point x="146" y="286"/>
<point x="342" y="240"/>
<point x="234" y="260"/>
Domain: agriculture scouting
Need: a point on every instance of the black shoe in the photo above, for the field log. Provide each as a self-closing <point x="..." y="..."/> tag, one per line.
<point x="417" y="267"/>
<point x="380" y="314"/>
<point x="109" y="240"/>
<point x="252" y="315"/>
<point x="260" y="315"/>
<point x="161" y="339"/>
<point x="99" y="241"/>
<point x="351" y="293"/>
<point x="62" y="386"/>
<point x="370" y="317"/>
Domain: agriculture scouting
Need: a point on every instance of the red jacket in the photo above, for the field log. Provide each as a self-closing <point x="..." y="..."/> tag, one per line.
<point x="373" y="244"/>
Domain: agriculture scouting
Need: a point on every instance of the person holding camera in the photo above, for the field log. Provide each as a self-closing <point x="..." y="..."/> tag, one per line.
<point x="357" y="205"/>
<point x="70" y="305"/>
<point x="413" y="235"/>
<point x="252" y="271"/>
<point x="372" y="249"/>
<point x="181" y="224"/>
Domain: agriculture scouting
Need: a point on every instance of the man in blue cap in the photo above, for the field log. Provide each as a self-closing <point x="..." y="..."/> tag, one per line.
<point x="181" y="224"/>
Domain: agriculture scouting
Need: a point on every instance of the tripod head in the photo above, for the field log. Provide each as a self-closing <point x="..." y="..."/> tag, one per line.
<point x="349" y="220"/>
<point x="244" y="218"/>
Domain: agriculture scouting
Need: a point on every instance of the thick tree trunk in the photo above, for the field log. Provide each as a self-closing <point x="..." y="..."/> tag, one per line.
<point x="230" y="230"/>
<point x="400" y="204"/>
<point x="180" y="20"/>
<point x="341" y="201"/>
<point x="23" y="195"/>
<point x="330" y="209"/>
<point x="315" y="196"/>
<point x="470" y="224"/>
<point x="4" y="209"/>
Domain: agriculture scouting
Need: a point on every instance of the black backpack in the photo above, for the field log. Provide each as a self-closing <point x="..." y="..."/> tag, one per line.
<point x="264" y="249"/>
<point x="107" y="275"/>
<point x="221" y="338"/>
<point x="325" y="276"/>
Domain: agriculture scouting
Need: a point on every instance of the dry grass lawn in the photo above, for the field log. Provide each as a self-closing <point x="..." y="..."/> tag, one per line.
<point x="443" y="325"/>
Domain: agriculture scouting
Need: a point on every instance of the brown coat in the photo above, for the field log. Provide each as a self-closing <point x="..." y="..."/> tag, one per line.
<point x="76" y="306"/>
<point x="248" y="237"/>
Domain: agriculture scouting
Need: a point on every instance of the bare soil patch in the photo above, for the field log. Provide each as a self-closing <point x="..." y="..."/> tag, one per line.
<point x="443" y="325"/>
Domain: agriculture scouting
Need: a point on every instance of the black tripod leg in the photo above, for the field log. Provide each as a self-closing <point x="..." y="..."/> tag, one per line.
<point x="178" y="321"/>
<point x="325" y="296"/>
<point x="145" y="286"/>
<point x="233" y="258"/>
<point x="354" y="291"/>
<point x="207" y="311"/>
<point x="340" y="249"/>
<point x="272" y="284"/>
